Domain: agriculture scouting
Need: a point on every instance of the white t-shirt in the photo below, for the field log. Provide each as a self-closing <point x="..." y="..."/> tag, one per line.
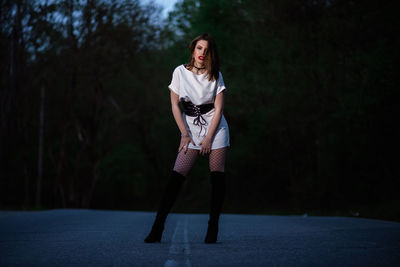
<point x="199" y="90"/>
<point x="195" y="87"/>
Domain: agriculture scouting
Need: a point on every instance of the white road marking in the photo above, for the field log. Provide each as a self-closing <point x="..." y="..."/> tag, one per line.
<point x="185" y="237"/>
<point x="179" y="245"/>
<point x="174" y="248"/>
<point x="170" y="263"/>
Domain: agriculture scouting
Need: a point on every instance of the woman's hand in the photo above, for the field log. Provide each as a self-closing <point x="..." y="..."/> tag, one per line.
<point x="205" y="146"/>
<point x="185" y="140"/>
<point x="176" y="111"/>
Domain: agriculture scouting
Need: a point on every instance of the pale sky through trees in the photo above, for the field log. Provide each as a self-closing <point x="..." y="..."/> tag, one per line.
<point x="166" y="4"/>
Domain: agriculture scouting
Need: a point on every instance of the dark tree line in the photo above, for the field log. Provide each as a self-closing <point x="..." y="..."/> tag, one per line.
<point x="310" y="104"/>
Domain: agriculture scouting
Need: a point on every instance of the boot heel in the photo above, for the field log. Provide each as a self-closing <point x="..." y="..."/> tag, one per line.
<point x="154" y="236"/>
<point x="212" y="233"/>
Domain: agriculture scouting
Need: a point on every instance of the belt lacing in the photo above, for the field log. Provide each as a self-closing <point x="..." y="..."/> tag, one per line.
<point x="193" y="110"/>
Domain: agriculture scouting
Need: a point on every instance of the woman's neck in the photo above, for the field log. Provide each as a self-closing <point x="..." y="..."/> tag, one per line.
<point x="198" y="69"/>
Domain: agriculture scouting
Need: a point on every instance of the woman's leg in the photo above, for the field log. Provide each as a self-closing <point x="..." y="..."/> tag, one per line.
<point x="183" y="164"/>
<point x="185" y="161"/>
<point x="217" y="159"/>
<point x="217" y="168"/>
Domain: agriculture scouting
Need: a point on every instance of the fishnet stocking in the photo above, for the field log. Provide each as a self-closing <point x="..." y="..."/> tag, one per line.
<point x="217" y="159"/>
<point x="184" y="162"/>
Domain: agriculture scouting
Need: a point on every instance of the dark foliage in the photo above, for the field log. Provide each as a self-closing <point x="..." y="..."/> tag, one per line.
<point x="310" y="104"/>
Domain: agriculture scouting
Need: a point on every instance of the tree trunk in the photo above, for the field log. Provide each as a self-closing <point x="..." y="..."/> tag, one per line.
<point x="40" y="153"/>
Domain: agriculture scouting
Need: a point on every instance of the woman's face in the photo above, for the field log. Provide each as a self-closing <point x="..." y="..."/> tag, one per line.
<point x="200" y="51"/>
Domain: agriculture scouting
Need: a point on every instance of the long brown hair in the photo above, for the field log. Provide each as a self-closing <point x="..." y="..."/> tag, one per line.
<point x="211" y="60"/>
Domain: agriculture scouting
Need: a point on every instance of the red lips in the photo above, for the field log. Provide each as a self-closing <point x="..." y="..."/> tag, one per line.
<point x="201" y="57"/>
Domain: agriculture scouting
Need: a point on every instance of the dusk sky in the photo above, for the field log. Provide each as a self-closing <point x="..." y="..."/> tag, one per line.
<point x="166" y="4"/>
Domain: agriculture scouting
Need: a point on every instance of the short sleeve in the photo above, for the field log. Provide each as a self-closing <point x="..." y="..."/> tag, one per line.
<point x="174" y="85"/>
<point x="220" y="84"/>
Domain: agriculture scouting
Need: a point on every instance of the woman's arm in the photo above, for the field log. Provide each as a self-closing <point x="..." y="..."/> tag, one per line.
<point x="219" y="110"/>
<point x="176" y="111"/>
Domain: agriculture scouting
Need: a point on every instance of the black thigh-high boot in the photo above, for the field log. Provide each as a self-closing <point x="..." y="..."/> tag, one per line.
<point x="170" y="194"/>
<point x="217" y="199"/>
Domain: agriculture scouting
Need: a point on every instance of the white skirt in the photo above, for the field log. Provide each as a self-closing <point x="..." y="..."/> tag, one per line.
<point x="197" y="133"/>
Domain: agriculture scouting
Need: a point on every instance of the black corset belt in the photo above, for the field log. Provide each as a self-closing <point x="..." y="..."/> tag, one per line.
<point x="193" y="110"/>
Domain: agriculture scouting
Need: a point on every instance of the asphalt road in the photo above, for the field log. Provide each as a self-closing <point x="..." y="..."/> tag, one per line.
<point x="115" y="238"/>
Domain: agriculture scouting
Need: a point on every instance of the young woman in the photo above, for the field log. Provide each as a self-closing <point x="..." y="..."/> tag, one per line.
<point x="200" y="88"/>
